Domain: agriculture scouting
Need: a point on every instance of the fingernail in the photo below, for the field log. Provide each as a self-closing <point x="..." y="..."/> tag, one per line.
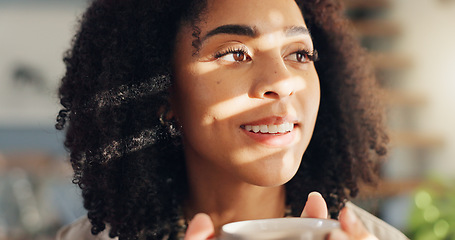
<point x="314" y="194"/>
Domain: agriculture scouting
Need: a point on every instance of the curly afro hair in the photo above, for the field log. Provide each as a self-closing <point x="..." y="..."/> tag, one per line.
<point x="131" y="168"/>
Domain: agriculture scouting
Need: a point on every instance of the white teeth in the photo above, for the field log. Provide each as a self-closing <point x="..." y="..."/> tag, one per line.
<point x="264" y="128"/>
<point x="282" y="128"/>
<point x="273" y="128"/>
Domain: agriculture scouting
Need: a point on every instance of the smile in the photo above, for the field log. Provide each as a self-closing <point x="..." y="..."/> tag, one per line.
<point x="272" y="135"/>
<point x="272" y="128"/>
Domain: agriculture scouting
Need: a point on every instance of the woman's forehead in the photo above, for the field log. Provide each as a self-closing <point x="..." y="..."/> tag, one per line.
<point x="263" y="15"/>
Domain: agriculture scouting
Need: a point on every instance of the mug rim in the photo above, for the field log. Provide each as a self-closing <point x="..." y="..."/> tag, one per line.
<point x="289" y="223"/>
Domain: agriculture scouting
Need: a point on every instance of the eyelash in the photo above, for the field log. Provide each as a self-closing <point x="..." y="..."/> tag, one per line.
<point x="312" y="56"/>
<point x="228" y="51"/>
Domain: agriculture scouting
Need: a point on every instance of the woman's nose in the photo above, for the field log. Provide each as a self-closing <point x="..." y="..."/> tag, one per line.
<point x="273" y="81"/>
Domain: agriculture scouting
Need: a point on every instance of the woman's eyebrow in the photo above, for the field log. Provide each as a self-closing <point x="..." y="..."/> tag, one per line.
<point x="234" y="29"/>
<point x="296" y="30"/>
<point x="251" y="31"/>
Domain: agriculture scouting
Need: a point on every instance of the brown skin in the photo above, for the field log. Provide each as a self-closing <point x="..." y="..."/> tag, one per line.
<point x="130" y="167"/>
<point x="217" y="93"/>
<point x="214" y="97"/>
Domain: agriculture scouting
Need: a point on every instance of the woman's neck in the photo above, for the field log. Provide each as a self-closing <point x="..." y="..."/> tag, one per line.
<point x="226" y="199"/>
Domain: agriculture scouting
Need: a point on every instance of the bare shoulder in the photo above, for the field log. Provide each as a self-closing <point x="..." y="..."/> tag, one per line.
<point x="80" y="229"/>
<point x="377" y="227"/>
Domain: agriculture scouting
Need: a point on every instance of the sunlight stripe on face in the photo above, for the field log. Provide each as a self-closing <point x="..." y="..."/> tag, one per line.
<point x="241" y="107"/>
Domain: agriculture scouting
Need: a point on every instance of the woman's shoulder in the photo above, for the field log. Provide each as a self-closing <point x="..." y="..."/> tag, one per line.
<point x="376" y="226"/>
<point x="81" y="229"/>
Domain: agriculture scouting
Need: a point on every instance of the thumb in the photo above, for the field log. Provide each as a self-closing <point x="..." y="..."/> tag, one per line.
<point x="315" y="206"/>
<point x="200" y="228"/>
<point x="352" y="226"/>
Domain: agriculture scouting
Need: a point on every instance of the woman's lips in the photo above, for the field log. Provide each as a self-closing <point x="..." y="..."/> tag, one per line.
<point x="277" y="133"/>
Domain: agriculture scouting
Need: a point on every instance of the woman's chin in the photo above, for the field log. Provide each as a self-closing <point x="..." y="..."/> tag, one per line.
<point x="271" y="178"/>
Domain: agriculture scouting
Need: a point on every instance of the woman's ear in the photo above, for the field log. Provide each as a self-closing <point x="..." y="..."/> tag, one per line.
<point x="166" y="113"/>
<point x="171" y="103"/>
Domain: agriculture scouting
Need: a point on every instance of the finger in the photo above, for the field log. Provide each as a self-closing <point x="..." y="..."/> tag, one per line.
<point x="337" y="235"/>
<point x="200" y="228"/>
<point x="315" y="206"/>
<point x="352" y="226"/>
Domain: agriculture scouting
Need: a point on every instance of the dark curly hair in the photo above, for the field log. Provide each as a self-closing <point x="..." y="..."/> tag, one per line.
<point x="131" y="168"/>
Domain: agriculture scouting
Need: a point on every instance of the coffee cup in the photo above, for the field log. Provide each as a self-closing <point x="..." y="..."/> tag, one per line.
<point x="279" y="229"/>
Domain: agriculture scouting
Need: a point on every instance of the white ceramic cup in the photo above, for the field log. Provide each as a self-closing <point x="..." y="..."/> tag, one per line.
<point x="279" y="228"/>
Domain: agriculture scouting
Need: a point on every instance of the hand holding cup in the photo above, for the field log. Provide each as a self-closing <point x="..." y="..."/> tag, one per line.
<point x="314" y="223"/>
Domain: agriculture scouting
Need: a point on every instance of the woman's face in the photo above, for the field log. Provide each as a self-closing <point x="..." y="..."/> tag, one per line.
<point x="248" y="98"/>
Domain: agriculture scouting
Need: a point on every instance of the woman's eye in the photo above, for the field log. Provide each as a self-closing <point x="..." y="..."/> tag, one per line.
<point x="238" y="56"/>
<point x="301" y="57"/>
<point x="234" y="56"/>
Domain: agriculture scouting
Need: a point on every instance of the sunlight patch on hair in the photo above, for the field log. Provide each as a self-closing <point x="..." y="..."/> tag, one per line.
<point x="125" y="93"/>
<point x="134" y="143"/>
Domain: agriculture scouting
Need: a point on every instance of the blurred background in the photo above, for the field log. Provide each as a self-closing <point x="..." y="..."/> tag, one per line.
<point x="411" y="44"/>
